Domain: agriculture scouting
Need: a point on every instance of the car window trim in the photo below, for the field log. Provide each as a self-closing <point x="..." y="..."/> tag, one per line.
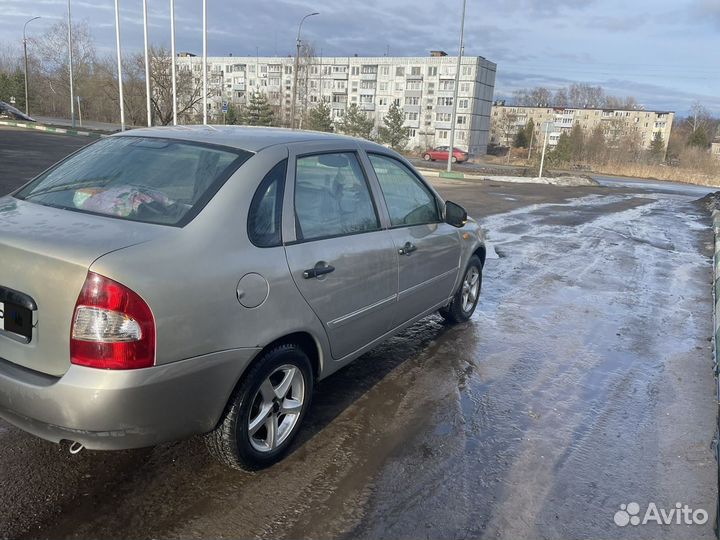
<point x="298" y="228"/>
<point x="191" y="214"/>
<point x="422" y="182"/>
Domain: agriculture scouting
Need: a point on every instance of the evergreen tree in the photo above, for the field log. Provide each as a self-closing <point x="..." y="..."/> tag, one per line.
<point x="258" y="111"/>
<point x="563" y="150"/>
<point x="319" y="118"/>
<point x="13" y="85"/>
<point x="657" y="146"/>
<point x="577" y="142"/>
<point x="699" y="138"/>
<point x="231" y="116"/>
<point x="393" y="132"/>
<point x="521" y="140"/>
<point x="356" y="123"/>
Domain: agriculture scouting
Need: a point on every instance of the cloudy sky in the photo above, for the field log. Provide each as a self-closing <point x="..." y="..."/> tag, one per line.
<point x="665" y="53"/>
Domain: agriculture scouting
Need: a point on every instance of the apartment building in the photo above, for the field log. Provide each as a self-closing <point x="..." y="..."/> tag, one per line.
<point x="508" y="120"/>
<point x="422" y="86"/>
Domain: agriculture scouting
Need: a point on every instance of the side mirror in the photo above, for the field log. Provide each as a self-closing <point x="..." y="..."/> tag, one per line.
<point x="455" y="214"/>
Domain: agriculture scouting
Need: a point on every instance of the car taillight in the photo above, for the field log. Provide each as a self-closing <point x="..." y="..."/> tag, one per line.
<point x="113" y="328"/>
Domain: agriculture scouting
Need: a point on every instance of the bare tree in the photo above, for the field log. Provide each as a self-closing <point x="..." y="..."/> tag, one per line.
<point x="189" y="88"/>
<point x="505" y="126"/>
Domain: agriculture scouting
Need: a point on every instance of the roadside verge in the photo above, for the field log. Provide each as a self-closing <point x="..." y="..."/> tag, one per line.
<point x="49" y="129"/>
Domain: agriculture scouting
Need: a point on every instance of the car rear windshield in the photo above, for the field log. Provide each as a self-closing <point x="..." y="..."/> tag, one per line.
<point x="153" y="180"/>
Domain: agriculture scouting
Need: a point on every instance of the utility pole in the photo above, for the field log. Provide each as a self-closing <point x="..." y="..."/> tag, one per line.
<point x="204" y="61"/>
<point x="172" y="51"/>
<point x="147" y="65"/>
<point x="546" y="128"/>
<point x="451" y="150"/>
<point x="27" y="106"/>
<point x="70" y="58"/>
<point x="295" y="70"/>
<point x="119" y="66"/>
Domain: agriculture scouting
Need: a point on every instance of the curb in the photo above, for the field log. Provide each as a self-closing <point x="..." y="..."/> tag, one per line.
<point x="48" y="129"/>
<point x="715" y="214"/>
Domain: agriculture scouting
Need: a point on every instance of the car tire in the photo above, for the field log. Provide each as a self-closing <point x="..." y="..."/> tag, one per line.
<point x="427" y="157"/>
<point x="464" y="301"/>
<point x="244" y="439"/>
<point x="453" y="159"/>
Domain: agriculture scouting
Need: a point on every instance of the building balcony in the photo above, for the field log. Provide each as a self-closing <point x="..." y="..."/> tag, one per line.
<point x="411" y="77"/>
<point x="412" y="108"/>
<point x="413" y="93"/>
<point x="366" y="106"/>
<point x="368" y="76"/>
<point x="339" y="76"/>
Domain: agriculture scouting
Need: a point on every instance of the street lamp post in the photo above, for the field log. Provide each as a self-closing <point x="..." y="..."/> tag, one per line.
<point x="26" y="67"/>
<point x="295" y="71"/>
<point x="451" y="150"/>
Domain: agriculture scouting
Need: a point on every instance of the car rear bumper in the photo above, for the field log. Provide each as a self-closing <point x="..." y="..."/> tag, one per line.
<point x="114" y="410"/>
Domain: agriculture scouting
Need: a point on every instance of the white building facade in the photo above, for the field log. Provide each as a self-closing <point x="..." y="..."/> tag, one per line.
<point x="422" y="86"/>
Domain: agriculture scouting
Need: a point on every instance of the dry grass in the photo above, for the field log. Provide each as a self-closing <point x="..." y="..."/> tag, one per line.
<point x="661" y="172"/>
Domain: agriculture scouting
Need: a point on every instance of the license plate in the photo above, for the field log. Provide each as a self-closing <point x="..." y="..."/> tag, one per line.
<point x="16" y="319"/>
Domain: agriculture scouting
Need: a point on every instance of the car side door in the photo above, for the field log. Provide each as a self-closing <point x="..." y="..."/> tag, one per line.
<point x="340" y="254"/>
<point x="428" y="248"/>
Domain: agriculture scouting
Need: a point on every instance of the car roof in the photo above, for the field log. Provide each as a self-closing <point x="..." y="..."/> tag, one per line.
<point x="248" y="138"/>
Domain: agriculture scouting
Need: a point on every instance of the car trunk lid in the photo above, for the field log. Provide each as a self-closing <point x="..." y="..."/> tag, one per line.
<point x="45" y="254"/>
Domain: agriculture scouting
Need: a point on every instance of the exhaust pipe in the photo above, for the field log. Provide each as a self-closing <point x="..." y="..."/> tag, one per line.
<point x="76" y="448"/>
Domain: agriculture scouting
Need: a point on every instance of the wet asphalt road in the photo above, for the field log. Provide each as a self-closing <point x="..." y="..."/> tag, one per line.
<point x="583" y="382"/>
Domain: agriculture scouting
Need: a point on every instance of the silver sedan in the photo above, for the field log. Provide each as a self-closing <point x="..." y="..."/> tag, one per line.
<point x="167" y="282"/>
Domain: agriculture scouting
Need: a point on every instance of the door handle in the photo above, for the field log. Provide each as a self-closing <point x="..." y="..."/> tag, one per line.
<point x="318" y="270"/>
<point x="407" y="249"/>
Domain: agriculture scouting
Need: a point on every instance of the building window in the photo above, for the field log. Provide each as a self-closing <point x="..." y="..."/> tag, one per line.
<point x="442" y="134"/>
<point x="447" y="84"/>
<point x="411" y="116"/>
<point x="382" y="101"/>
<point x="355" y="70"/>
<point x="367" y="84"/>
<point x="412" y="101"/>
<point x="445" y="101"/>
<point x="461" y="120"/>
<point x="384" y="70"/>
<point x="369" y="69"/>
<point x="432" y="71"/>
<point x="467" y="70"/>
<point x="383" y="86"/>
<point x="396" y="101"/>
<point x="398" y="86"/>
<point x="413" y="85"/>
<point x="465" y="87"/>
<point x="442" y="117"/>
<point x="399" y="71"/>
<point x="415" y="70"/>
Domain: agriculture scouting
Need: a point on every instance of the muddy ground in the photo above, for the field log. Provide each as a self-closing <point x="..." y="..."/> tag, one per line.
<point x="583" y="382"/>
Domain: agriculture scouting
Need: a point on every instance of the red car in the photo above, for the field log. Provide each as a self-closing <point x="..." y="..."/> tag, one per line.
<point x="441" y="153"/>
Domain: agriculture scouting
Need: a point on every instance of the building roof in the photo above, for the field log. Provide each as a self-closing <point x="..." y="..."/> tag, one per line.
<point x="248" y="138"/>
<point x="502" y="103"/>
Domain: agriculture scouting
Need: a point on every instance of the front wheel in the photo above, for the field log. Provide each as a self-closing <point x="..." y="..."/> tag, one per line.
<point x="265" y="411"/>
<point x="453" y="159"/>
<point x="427" y="157"/>
<point x="463" y="303"/>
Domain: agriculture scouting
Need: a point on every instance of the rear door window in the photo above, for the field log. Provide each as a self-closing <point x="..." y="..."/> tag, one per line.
<point x="164" y="181"/>
<point x="332" y="197"/>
